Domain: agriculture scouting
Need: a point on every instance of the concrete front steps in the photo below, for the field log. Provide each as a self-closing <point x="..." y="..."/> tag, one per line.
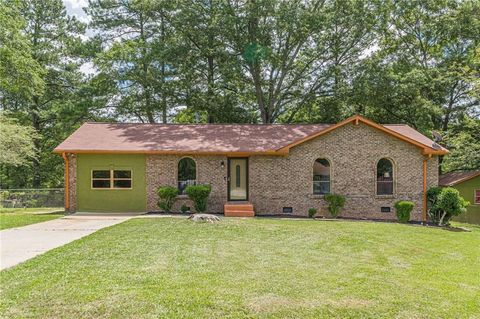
<point x="240" y="209"/>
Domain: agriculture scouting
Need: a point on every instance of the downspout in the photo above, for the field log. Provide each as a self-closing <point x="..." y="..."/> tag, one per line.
<point x="67" y="183"/>
<point x="424" y="210"/>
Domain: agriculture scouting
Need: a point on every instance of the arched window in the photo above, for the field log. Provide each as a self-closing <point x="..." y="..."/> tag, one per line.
<point x="384" y="177"/>
<point x="187" y="174"/>
<point x="321" y="176"/>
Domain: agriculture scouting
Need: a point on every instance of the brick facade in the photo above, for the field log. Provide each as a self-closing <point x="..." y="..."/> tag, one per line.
<point x="162" y="170"/>
<point x="286" y="181"/>
<point x="353" y="152"/>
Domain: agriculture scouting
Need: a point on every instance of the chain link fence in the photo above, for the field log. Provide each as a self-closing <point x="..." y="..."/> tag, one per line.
<point x="26" y="198"/>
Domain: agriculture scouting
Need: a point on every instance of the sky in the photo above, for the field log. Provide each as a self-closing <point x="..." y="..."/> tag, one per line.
<point x="74" y="8"/>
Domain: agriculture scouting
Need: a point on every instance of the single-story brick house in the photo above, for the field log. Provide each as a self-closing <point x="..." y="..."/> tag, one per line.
<point x="271" y="169"/>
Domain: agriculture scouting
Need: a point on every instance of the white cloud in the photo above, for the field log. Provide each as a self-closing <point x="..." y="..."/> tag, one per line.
<point x="75" y="8"/>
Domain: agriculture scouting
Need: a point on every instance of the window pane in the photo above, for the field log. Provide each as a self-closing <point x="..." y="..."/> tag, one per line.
<point x="122" y="183"/>
<point x="384" y="188"/>
<point x="122" y="174"/>
<point x="321" y="176"/>
<point x="384" y="177"/>
<point x="187" y="174"/>
<point x="186" y="169"/>
<point x="101" y="183"/>
<point x="320" y="188"/>
<point x="384" y="170"/>
<point x="101" y="174"/>
<point x="237" y="177"/>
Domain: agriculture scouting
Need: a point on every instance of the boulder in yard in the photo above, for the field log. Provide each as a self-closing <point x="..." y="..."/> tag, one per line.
<point x="204" y="218"/>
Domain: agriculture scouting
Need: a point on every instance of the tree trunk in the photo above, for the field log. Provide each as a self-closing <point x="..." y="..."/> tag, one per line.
<point x="440" y="223"/>
<point x="164" y="96"/>
<point x="210" y="89"/>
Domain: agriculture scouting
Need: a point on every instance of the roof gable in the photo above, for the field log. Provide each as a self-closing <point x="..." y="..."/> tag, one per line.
<point x="402" y="132"/>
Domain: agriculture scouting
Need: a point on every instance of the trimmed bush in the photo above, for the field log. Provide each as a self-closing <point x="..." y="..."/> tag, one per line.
<point x="184" y="209"/>
<point x="335" y="203"/>
<point x="403" y="209"/>
<point x="167" y="195"/>
<point x="312" y="212"/>
<point x="199" y="195"/>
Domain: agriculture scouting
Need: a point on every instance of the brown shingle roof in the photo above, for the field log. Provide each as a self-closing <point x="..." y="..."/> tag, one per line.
<point x="212" y="138"/>
<point x="207" y="138"/>
<point x="453" y="178"/>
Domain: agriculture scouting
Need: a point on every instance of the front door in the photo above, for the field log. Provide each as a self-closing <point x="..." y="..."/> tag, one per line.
<point x="238" y="179"/>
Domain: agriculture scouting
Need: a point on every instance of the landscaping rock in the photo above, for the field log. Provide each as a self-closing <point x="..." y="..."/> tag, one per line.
<point x="204" y="218"/>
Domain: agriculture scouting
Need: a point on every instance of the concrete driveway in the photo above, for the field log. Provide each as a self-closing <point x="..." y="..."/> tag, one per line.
<point x="23" y="243"/>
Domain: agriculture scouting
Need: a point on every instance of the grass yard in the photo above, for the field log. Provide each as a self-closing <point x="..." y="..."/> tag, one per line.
<point x="251" y="268"/>
<point x="17" y="217"/>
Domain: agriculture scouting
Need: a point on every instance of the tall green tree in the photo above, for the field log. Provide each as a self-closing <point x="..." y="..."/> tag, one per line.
<point x="297" y="55"/>
<point x="137" y="57"/>
<point x="212" y="80"/>
<point x="16" y="142"/>
<point x="20" y="74"/>
<point x="55" y="42"/>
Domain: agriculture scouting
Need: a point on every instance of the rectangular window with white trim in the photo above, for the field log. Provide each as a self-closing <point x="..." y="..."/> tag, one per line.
<point x="111" y="179"/>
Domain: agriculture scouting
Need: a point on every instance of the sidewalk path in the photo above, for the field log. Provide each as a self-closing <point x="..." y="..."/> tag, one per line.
<point x="20" y="244"/>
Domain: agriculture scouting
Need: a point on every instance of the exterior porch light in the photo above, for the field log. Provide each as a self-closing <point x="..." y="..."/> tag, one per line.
<point x="222" y="164"/>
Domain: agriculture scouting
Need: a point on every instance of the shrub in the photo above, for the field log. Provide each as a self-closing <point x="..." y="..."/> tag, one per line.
<point x="403" y="209"/>
<point x="184" y="209"/>
<point x="312" y="212"/>
<point x="451" y="204"/>
<point x="167" y="195"/>
<point x="434" y="212"/>
<point x="335" y="203"/>
<point x="199" y="195"/>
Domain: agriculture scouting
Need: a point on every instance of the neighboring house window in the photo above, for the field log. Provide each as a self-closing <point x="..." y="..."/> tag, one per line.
<point x="187" y="174"/>
<point x="111" y="179"/>
<point x="385" y="177"/>
<point x="321" y="176"/>
<point x="477" y="196"/>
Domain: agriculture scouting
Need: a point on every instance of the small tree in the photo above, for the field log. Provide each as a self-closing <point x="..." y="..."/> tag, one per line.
<point x="199" y="195"/>
<point x="335" y="203"/>
<point x="451" y="204"/>
<point x="403" y="209"/>
<point x="167" y="195"/>
<point x="434" y="212"/>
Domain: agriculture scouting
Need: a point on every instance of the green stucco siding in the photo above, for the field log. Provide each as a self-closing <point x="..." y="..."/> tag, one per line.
<point x="466" y="190"/>
<point x="111" y="200"/>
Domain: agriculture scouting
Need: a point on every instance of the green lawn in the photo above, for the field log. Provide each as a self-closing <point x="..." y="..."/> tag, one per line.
<point x="17" y="217"/>
<point x="251" y="268"/>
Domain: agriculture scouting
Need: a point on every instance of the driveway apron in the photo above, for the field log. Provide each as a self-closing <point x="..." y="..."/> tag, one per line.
<point x="20" y="244"/>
